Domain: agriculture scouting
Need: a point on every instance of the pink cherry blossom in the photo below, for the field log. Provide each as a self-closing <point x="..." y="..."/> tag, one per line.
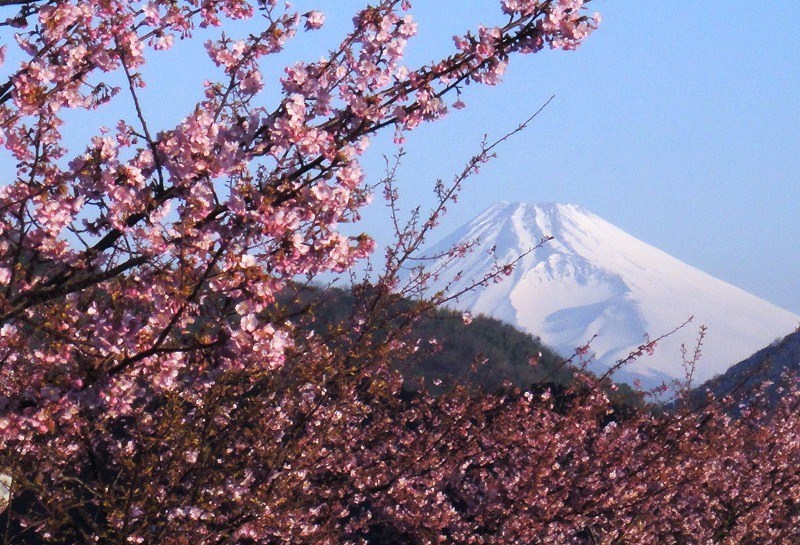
<point x="314" y="20"/>
<point x="171" y="373"/>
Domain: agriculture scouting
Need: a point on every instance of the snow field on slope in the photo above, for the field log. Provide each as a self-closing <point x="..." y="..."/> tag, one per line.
<point x="595" y="279"/>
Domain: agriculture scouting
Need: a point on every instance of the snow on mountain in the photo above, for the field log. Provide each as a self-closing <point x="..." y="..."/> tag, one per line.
<point x="595" y="279"/>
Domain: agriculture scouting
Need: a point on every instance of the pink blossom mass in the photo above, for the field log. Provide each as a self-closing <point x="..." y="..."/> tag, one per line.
<point x="164" y="377"/>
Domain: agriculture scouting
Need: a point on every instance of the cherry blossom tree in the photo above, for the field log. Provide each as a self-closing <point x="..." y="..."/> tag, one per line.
<point x="140" y="275"/>
<point x="165" y="378"/>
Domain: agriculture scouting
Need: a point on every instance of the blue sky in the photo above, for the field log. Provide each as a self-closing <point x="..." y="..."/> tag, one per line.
<point x="678" y="122"/>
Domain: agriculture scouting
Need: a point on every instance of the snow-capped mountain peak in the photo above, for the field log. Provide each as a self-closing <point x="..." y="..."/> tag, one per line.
<point x="594" y="281"/>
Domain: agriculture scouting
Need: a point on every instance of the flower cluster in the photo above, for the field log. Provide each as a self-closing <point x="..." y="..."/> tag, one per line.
<point x="162" y="376"/>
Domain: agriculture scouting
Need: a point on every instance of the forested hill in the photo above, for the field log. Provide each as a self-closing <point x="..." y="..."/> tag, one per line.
<point x="769" y="367"/>
<point x="485" y="354"/>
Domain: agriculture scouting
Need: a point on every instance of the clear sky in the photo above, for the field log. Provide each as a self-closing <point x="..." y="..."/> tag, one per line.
<point x="678" y="122"/>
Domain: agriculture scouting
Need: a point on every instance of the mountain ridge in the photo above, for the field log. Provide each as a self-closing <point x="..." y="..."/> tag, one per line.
<point x="767" y="368"/>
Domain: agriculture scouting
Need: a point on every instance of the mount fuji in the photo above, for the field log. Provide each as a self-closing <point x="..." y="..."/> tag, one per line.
<point x="594" y="282"/>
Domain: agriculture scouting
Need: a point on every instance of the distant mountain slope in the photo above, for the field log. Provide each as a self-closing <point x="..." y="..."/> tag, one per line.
<point x="595" y="279"/>
<point x="742" y="380"/>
